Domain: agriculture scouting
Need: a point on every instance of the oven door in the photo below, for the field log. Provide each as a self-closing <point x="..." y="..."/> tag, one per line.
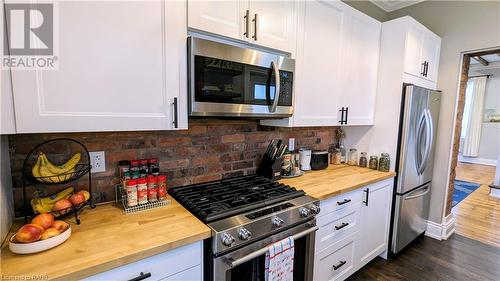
<point x="225" y="80"/>
<point x="248" y="263"/>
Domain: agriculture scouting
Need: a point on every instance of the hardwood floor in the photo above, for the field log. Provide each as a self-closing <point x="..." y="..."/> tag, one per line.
<point x="478" y="215"/>
<point x="458" y="258"/>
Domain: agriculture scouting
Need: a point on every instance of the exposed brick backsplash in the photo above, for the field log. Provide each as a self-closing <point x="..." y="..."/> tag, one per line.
<point x="210" y="149"/>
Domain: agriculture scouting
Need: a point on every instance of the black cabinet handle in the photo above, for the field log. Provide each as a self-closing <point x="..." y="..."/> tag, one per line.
<point x="423" y="69"/>
<point x="341" y="121"/>
<point x="426" y="68"/>
<point x="254" y="27"/>
<point x="344" y="224"/>
<point x="247" y="23"/>
<point x="343" y="202"/>
<point x="346" y="115"/>
<point x="141" y="276"/>
<point x="367" y="194"/>
<point x="176" y="114"/>
<point x="339" y="265"/>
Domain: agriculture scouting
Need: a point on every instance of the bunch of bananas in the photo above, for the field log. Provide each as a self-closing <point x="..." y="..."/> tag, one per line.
<point x="45" y="171"/>
<point x="44" y="205"/>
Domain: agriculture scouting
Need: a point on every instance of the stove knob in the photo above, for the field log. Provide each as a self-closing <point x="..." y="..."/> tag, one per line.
<point x="244" y="234"/>
<point x="278" y="222"/>
<point x="227" y="239"/>
<point x="314" y="209"/>
<point x="304" y="212"/>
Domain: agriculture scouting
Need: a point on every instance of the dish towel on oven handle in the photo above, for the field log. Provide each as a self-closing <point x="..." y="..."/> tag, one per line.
<point x="279" y="260"/>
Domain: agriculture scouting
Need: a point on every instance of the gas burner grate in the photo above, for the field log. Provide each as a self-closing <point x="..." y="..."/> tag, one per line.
<point x="223" y="198"/>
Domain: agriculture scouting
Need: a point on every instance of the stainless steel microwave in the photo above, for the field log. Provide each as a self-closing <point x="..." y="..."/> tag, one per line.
<point x="226" y="80"/>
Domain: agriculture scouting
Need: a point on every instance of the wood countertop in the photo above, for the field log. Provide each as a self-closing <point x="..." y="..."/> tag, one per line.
<point x="335" y="180"/>
<point x="105" y="239"/>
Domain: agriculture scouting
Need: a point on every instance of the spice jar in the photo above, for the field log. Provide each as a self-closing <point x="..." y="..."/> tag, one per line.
<point x="363" y="160"/>
<point x="373" y="164"/>
<point x="124" y="171"/>
<point x="154" y="168"/>
<point x="134" y="169"/>
<point x="152" y="188"/>
<point x="384" y="163"/>
<point x="353" y="157"/>
<point x="131" y="193"/>
<point x="142" y="191"/>
<point x="162" y="187"/>
<point x="143" y="168"/>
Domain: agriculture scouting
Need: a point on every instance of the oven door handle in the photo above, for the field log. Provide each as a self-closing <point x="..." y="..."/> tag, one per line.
<point x="234" y="263"/>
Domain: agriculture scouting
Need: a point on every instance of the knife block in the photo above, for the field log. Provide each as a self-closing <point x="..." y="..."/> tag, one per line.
<point x="270" y="168"/>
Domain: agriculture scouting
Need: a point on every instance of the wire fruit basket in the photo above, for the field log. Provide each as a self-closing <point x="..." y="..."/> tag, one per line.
<point x="121" y="195"/>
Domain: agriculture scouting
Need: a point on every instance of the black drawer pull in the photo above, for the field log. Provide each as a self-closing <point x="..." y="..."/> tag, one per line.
<point x="341" y="263"/>
<point x="141" y="276"/>
<point x="344" y="224"/>
<point x="343" y="202"/>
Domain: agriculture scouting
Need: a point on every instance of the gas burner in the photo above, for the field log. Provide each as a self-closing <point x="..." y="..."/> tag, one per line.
<point x="223" y="198"/>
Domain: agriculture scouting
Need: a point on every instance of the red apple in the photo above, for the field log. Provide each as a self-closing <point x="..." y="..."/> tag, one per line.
<point x="62" y="206"/>
<point x="49" y="233"/>
<point x="61" y="226"/>
<point x="44" y="220"/>
<point x="77" y="198"/>
<point x="29" y="233"/>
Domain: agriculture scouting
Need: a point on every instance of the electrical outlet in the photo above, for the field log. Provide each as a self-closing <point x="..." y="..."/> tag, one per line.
<point x="291" y="144"/>
<point x="98" y="161"/>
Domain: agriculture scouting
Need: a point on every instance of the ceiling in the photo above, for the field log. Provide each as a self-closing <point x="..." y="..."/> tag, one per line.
<point x="393" y="5"/>
<point x="489" y="58"/>
<point x="484" y="65"/>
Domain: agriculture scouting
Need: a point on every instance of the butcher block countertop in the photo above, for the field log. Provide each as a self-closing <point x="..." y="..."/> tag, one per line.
<point x="335" y="180"/>
<point x="105" y="239"/>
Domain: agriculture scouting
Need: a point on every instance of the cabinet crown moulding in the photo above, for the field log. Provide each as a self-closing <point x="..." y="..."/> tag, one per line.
<point x="393" y="5"/>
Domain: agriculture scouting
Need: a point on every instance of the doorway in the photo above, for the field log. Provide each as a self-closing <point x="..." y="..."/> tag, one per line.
<point x="476" y="149"/>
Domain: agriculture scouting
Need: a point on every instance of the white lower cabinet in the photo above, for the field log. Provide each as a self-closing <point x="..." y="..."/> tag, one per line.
<point x="184" y="263"/>
<point x="353" y="229"/>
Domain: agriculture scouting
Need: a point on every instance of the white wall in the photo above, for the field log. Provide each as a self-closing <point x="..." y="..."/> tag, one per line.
<point x="6" y="196"/>
<point x="463" y="26"/>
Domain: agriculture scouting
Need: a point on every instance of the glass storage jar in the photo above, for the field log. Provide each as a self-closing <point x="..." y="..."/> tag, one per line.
<point x="363" y="160"/>
<point x="384" y="163"/>
<point x="353" y="157"/>
<point x="373" y="164"/>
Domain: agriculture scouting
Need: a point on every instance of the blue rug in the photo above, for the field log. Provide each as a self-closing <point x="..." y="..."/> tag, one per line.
<point x="462" y="190"/>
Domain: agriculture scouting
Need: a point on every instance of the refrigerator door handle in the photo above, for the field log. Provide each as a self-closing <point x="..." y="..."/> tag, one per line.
<point x="426" y="190"/>
<point x="428" y="142"/>
<point x="418" y="141"/>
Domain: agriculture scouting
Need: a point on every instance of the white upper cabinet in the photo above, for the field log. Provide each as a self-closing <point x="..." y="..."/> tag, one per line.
<point x="421" y="51"/>
<point x="122" y="66"/>
<point x="224" y="18"/>
<point x="273" y="24"/>
<point x="360" y="69"/>
<point x="318" y="73"/>
<point x="336" y="66"/>
<point x="270" y="24"/>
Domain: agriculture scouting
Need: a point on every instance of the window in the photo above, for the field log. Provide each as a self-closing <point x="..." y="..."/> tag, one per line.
<point x="468" y="100"/>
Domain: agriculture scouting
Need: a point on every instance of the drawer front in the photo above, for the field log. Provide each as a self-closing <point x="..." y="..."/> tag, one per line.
<point x="335" y="226"/>
<point x="191" y="274"/>
<point x="335" y="263"/>
<point x="341" y="202"/>
<point x="160" y="266"/>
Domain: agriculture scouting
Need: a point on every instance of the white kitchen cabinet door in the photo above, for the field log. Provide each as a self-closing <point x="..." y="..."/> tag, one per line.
<point x="191" y="274"/>
<point x="414" y="64"/>
<point x="431" y="48"/>
<point x="273" y="24"/>
<point x="121" y="66"/>
<point x="374" y="221"/>
<point x="318" y="68"/>
<point x="224" y="18"/>
<point x="360" y="68"/>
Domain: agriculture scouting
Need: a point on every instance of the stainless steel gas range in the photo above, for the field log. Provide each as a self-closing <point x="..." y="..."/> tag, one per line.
<point x="246" y="214"/>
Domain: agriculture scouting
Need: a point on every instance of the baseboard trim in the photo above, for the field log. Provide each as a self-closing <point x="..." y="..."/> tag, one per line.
<point x="441" y="231"/>
<point x="480" y="161"/>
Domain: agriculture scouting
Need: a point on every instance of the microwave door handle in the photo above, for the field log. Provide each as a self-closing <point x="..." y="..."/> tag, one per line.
<point x="276" y="70"/>
<point x="234" y="263"/>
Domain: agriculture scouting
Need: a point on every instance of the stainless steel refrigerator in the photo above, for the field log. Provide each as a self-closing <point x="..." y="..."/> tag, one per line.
<point x="414" y="163"/>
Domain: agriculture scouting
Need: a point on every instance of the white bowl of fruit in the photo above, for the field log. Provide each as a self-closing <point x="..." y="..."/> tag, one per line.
<point x="43" y="233"/>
